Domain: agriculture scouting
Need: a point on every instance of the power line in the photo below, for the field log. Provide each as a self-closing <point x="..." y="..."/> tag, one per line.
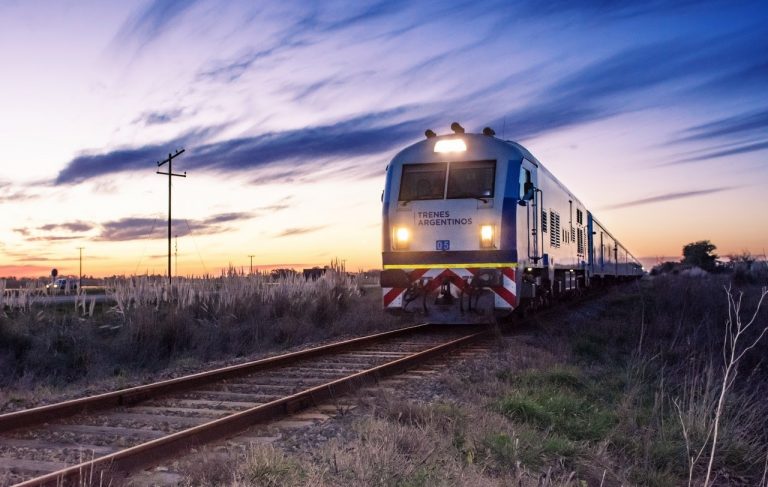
<point x="170" y="175"/>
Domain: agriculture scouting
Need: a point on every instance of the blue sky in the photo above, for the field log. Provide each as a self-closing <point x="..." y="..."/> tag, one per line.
<point x="656" y="115"/>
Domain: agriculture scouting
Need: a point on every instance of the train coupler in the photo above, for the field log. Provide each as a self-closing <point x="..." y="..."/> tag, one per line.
<point x="444" y="297"/>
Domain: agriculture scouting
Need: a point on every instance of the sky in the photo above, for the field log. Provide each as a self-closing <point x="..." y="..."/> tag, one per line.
<point x="655" y="114"/>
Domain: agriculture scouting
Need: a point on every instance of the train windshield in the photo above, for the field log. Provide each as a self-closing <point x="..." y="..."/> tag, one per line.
<point x="471" y="179"/>
<point x="423" y="181"/>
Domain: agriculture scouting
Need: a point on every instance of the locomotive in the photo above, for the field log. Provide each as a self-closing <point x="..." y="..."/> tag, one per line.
<point x="475" y="227"/>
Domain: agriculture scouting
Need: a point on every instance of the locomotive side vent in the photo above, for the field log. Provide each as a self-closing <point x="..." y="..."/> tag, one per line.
<point x="554" y="234"/>
<point x="544" y="221"/>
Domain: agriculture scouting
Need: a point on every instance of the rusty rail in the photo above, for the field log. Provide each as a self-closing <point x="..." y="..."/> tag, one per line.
<point x="137" y="394"/>
<point x="122" y="462"/>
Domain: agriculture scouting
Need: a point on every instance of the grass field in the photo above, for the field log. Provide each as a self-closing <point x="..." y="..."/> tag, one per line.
<point x="619" y="390"/>
<point x="629" y="388"/>
<point x="153" y="329"/>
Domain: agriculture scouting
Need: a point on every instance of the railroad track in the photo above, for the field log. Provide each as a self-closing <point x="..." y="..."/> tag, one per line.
<point x="104" y="437"/>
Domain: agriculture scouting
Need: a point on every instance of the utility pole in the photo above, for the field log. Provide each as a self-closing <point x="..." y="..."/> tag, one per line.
<point x="251" y="256"/>
<point x="80" y="280"/>
<point x="170" y="175"/>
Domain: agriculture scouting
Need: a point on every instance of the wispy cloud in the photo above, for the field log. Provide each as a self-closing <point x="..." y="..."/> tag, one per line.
<point x="624" y="82"/>
<point x="743" y="124"/>
<point x="159" y="117"/>
<point x="88" y="166"/>
<point x="603" y="10"/>
<point x="367" y="13"/>
<point x="280" y="205"/>
<point x="230" y="70"/>
<point x="734" y="150"/>
<point x="666" y="197"/>
<point x="149" y="22"/>
<point x="280" y="176"/>
<point x="289" y="232"/>
<point x="54" y="238"/>
<point x="9" y="194"/>
<point x="363" y="135"/>
<point x="154" y="228"/>
<point x="77" y="226"/>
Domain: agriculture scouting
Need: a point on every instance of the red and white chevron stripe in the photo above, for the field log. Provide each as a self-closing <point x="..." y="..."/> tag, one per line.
<point x="505" y="296"/>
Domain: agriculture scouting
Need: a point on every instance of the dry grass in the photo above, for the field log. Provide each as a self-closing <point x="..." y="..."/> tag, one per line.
<point x="618" y="391"/>
<point x="153" y="327"/>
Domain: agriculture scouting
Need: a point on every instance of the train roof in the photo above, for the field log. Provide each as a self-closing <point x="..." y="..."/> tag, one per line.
<point x="416" y="151"/>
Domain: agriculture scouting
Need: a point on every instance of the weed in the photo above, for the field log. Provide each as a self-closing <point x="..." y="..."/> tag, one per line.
<point x="269" y="467"/>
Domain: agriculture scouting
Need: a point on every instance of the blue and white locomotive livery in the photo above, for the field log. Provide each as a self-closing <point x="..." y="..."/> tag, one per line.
<point x="476" y="227"/>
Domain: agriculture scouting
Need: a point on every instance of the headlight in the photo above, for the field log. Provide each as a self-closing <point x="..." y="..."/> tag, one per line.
<point x="486" y="236"/>
<point x="402" y="238"/>
<point x="450" y="145"/>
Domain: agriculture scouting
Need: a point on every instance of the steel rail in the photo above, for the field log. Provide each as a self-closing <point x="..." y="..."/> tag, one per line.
<point x="133" y="395"/>
<point x="122" y="462"/>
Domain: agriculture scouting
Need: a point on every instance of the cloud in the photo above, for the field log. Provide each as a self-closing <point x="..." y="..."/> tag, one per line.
<point x="230" y="70"/>
<point x="152" y="20"/>
<point x="623" y="82"/>
<point x="601" y="9"/>
<point x="366" y="134"/>
<point x="88" y="166"/>
<point x="289" y="232"/>
<point x="136" y="228"/>
<point x="368" y="13"/>
<point x="43" y="258"/>
<point x="69" y="226"/>
<point x="587" y="94"/>
<point x="54" y="238"/>
<point x="287" y="176"/>
<point x="666" y="197"/>
<point x="159" y="118"/>
<point x="745" y="148"/>
<point x="227" y="217"/>
<point x="280" y="205"/>
<point x="752" y="123"/>
<point x="743" y="79"/>
<point x="10" y="195"/>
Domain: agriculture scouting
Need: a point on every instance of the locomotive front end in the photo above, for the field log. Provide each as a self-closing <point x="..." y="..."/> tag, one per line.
<point x="449" y="247"/>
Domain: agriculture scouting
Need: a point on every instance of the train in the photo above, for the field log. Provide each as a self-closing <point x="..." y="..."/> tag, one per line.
<point x="475" y="228"/>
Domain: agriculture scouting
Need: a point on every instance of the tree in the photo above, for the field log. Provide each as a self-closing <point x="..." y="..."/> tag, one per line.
<point x="700" y="254"/>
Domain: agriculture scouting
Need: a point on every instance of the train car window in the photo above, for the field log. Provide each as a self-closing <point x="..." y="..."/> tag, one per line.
<point x="471" y="179"/>
<point x="423" y="181"/>
<point x="526" y="184"/>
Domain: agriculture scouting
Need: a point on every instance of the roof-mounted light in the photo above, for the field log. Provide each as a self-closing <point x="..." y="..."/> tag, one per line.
<point x="450" y="145"/>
